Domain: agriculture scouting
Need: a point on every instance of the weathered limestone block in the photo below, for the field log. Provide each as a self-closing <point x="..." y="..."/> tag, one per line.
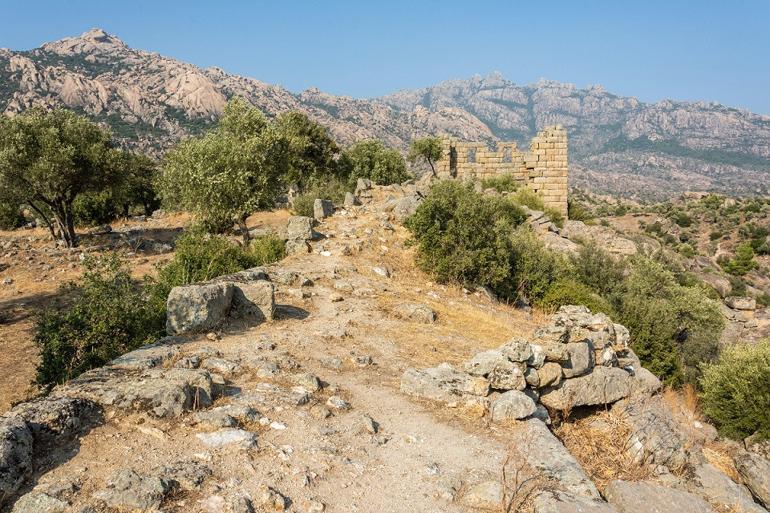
<point x="299" y="228"/>
<point x="197" y="308"/>
<point x="322" y="208"/>
<point x="551" y="459"/>
<point x="755" y="471"/>
<point x="718" y="489"/>
<point x="415" y="312"/>
<point x="554" y="501"/>
<point x="512" y="405"/>
<point x="580" y="361"/>
<point x="643" y="497"/>
<point x="16" y="446"/>
<point x="604" y="385"/>
<point x="253" y="300"/>
<point x="442" y="383"/>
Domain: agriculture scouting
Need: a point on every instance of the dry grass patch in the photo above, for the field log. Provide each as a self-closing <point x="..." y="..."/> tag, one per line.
<point x="599" y="442"/>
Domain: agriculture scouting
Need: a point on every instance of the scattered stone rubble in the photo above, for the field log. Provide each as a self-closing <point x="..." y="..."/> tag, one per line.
<point x="580" y="359"/>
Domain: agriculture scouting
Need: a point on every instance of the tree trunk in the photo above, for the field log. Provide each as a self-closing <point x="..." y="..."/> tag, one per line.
<point x="63" y="214"/>
<point x="433" y="169"/>
<point x="244" y="230"/>
<point x="45" y="219"/>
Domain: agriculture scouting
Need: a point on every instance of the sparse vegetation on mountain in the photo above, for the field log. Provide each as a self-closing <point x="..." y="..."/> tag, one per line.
<point x="49" y="158"/>
<point x="736" y="391"/>
<point x="373" y="160"/>
<point x="427" y="149"/>
<point x="225" y="175"/>
<point x="742" y="262"/>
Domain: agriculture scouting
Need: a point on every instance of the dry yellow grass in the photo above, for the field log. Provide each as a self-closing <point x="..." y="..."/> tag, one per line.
<point x="599" y="443"/>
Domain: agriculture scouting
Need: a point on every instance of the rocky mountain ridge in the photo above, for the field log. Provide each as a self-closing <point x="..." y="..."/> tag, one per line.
<point x="618" y="144"/>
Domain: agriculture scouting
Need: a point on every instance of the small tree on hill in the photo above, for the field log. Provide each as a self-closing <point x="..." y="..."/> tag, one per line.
<point x="426" y="148"/>
<point x="373" y="160"/>
<point x="48" y="158"/>
<point x="229" y="173"/>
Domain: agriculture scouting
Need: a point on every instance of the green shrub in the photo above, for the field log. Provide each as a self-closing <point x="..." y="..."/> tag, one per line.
<point x="94" y="208"/>
<point x="267" y="249"/>
<point x="502" y="183"/>
<point x="673" y="327"/>
<point x="764" y="300"/>
<point x="571" y="292"/>
<point x="10" y="216"/>
<point x="577" y="211"/>
<point x="736" y="391"/>
<point x="597" y="269"/>
<point x="373" y="160"/>
<point x="742" y="262"/>
<point x="109" y="316"/>
<point x="303" y="205"/>
<point x="199" y="257"/>
<point x="686" y="250"/>
<point x="332" y="189"/>
<point x="534" y="267"/>
<point x="528" y="198"/>
<point x="555" y="216"/>
<point x="464" y="236"/>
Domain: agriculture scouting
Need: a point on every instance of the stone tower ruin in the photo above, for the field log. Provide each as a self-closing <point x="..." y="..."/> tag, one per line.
<point x="543" y="168"/>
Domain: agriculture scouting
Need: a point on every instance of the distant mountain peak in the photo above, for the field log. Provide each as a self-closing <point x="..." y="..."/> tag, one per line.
<point x="96" y="40"/>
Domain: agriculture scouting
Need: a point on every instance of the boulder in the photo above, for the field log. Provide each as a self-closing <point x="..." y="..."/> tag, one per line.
<point x="551" y="334"/>
<point x="645" y="381"/>
<point x="755" y="471"/>
<point x="643" y="497"/>
<point x="484" y="362"/>
<point x="350" y="200"/>
<point x="253" y="300"/>
<point x="718" y="489"/>
<point x="405" y="207"/>
<point x="551" y="459"/>
<point x="554" y="501"/>
<point x="299" y="228"/>
<point x="198" y="308"/>
<point x="442" y="383"/>
<point x="297" y="247"/>
<point x="517" y="350"/>
<point x="37" y="502"/>
<point x="415" y="312"/>
<point x="128" y="490"/>
<point x="655" y="436"/>
<point x="228" y="436"/>
<point x="16" y="446"/>
<point x="580" y="361"/>
<point x="741" y="303"/>
<point x="550" y="374"/>
<point x="604" y="385"/>
<point x="322" y="208"/>
<point x="512" y="405"/>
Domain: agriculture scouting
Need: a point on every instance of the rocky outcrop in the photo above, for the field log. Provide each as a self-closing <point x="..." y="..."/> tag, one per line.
<point x="755" y="471"/>
<point x="643" y="497"/>
<point x="204" y="306"/>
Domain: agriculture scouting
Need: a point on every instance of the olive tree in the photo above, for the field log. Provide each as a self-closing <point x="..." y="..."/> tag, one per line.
<point x="49" y="158"/>
<point x="425" y="148"/>
<point x="225" y="175"/>
<point x="373" y="160"/>
<point x="313" y="152"/>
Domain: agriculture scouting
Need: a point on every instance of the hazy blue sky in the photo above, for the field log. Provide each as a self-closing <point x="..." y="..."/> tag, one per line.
<point x="689" y="50"/>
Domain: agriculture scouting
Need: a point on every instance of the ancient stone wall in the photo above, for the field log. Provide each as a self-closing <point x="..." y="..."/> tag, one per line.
<point x="543" y="168"/>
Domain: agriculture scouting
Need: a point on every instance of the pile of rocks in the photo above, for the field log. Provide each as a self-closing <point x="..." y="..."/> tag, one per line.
<point x="580" y="359"/>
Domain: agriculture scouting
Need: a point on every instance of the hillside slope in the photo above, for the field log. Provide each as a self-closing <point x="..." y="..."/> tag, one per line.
<point x="618" y="144"/>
